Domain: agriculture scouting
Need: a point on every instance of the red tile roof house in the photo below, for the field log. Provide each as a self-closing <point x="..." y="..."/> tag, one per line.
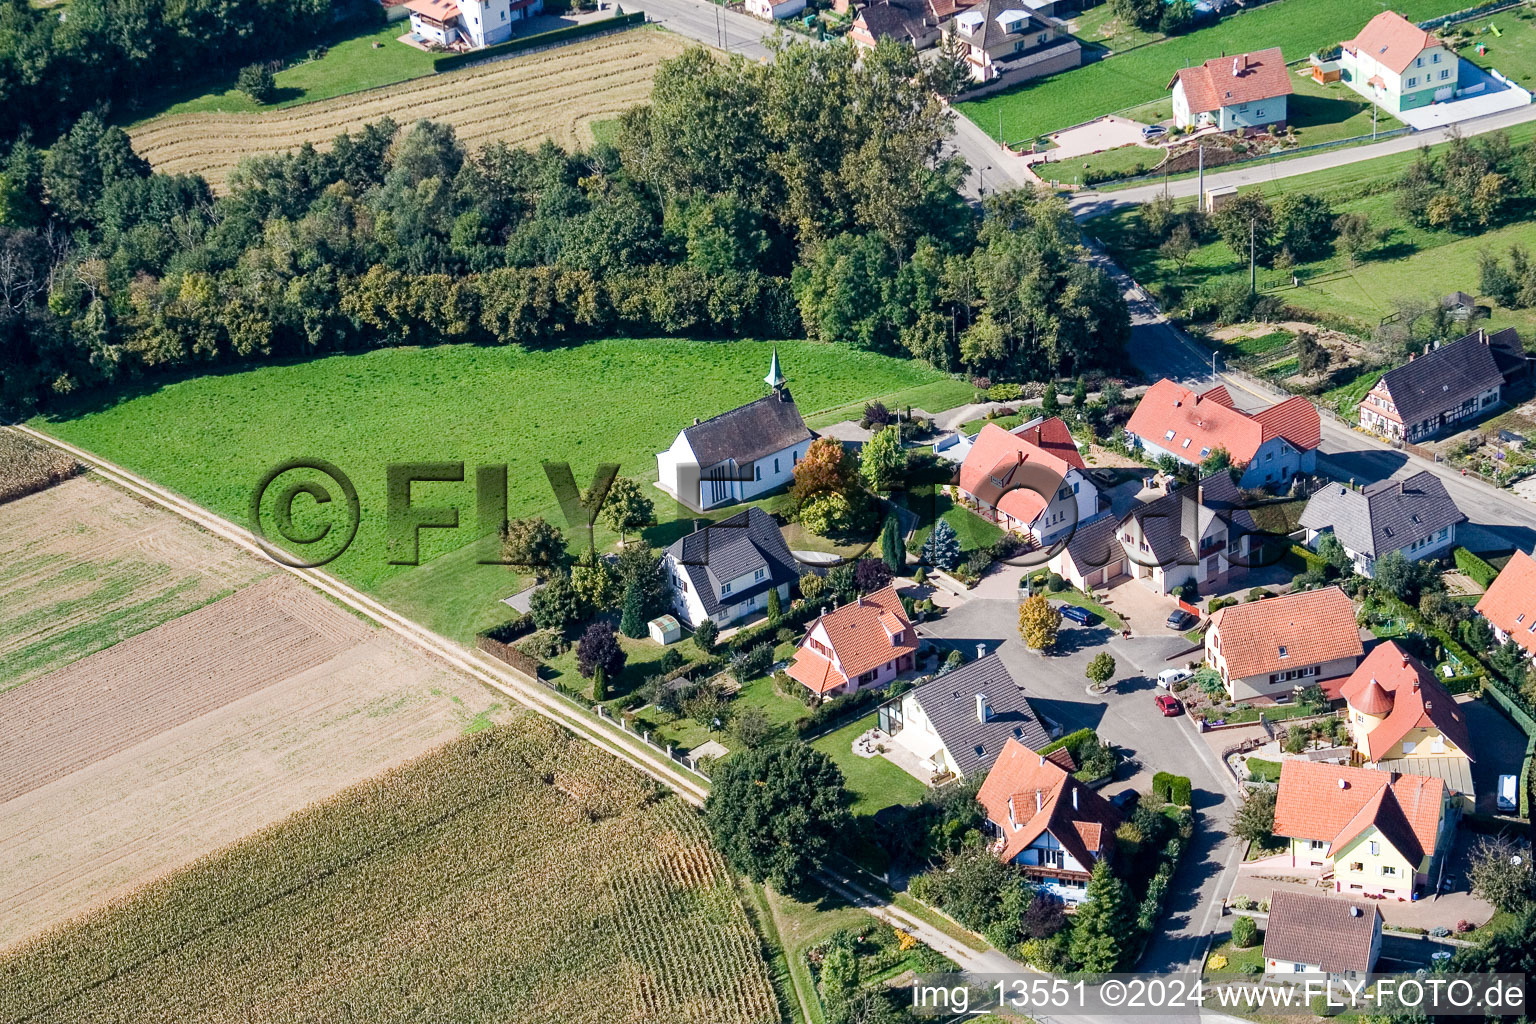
<point x="1042" y="819"/>
<point x="1031" y="481"/>
<point x="1311" y="934"/>
<point x="1267" y="649"/>
<point x="859" y="646"/>
<point x="1272" y="445"/>
<point x="1510" y="603"/>
<point x="1245" y="94"/>
<point x="1375" y="833"/>
<point x="1402" y="720"/>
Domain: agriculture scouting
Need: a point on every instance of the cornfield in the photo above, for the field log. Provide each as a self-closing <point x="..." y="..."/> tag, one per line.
<point x="27" y="466"/>
<point x="514" y="875"/>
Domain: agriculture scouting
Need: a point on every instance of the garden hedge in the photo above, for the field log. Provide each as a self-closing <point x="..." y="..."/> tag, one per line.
<point x="1475" y="567"/>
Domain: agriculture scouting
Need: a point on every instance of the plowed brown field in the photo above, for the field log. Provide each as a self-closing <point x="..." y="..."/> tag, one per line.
<point x="163" y="748"/>
<point x="555" y="94"/>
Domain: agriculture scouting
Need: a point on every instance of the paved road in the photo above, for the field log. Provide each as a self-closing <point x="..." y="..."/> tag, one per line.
<point x="1091" y="204"/>
<point x="1056" y="687"/>
<point x="710" y="24"/>
<point x="1498" y="518"/>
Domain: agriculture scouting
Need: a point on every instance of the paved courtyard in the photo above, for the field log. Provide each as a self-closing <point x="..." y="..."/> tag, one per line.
<point x="1106" y="133"/>
<point x="1492" y="97"/>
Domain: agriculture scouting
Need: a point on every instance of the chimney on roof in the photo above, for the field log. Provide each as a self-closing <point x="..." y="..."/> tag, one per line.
<point x="695" y="421"/>
<point x="981" y="651"/>
<point x="860" y="599"/>
<point x="1074" y="798"/>
<point x="1235" y="61"/>
<point x="1426" y="348"/>
<point x="1042" y="760"/>
<point x="983" y="709"/>
<point x="1039" y="800"/>
<point x="1411" y="355"/>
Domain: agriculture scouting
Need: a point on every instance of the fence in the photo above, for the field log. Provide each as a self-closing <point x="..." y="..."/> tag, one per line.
<point x="687" y="761"/>
<point x="541" y="41"/>
<point x="1471" y="12"/>
<point x="505" y="652"/>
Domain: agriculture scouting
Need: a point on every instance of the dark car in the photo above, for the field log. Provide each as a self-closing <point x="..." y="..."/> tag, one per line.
<point x="1125" y="800"/>
<point x="1180" y="619"/>
<point x="1081" y="616"/>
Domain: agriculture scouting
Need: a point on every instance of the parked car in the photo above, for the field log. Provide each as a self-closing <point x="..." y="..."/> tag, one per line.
<point x="1168" y="676"/>
<point x="1169" y="705"/>
<point x="1507" y="800"/>
<point x="1125" y="800"/>
<point x="1082" y="616"/>
<point x="1181" y="619"/>
<point x="1153" y="131"/>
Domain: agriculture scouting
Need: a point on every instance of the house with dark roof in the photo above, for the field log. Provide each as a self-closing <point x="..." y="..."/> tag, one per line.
<point x="1397" y="65"/>
<point x="1200" y="533"/>
<point x="1415" y="516"/>
<point x="1270" y="446"/>
<point x="1509" y="354"/>
<point x="1402" y="720"/>
<point x="1380" y="833"/>
<point x="1004" y="42"/>
<point x="1031" y="481"/>
<point x="1311" y="934"/>
<point x="908" y="21"/>
<point x="957" y="723"/>
<point x="1445" y="386"/>
<point x="1510" y="603"/>
<point x="738" y="455"/>
<point x="724" y="571"/>
<point x="862" y="645"/>
<point x="1246" y="93"/>
<point x="1040" y="818"/>
<point x="1268" y="649"/>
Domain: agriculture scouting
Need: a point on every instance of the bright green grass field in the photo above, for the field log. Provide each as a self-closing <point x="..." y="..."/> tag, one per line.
<point x="212" y="438"/>
<point x="1298" y="27"/>
<point x="873" y="782"/>
<point x="1513" y="52"/>
<point x="349" y="66"/>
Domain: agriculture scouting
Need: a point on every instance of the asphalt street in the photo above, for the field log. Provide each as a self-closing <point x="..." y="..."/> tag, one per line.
<point x="710" y="24"/>
<point x="1057" y="688"/>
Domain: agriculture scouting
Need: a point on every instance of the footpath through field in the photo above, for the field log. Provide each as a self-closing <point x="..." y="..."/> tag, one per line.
<point x="506" y="680"/>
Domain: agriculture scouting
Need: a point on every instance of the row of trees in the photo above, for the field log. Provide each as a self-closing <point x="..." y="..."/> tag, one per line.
<point x="809" y="195"/>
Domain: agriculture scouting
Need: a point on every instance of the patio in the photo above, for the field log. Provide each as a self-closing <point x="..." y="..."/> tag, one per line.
<point x="1142" y="610"/>
<point x="876" y="743"/>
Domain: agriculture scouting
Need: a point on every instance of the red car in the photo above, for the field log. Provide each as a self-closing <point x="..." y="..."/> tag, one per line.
<point x="1169" y="705"/>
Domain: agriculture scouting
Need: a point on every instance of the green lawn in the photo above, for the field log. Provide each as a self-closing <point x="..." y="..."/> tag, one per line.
<point x="973" y="532"/>
<point x="1099" y="25"/>
<point x="1077" y="597"/>
<point x="213" y="437"/>
<point x="1412" y="261"/>
<point x="934" y="396"/>
<point x="351" y="64"/>
<point x="1125" y="162"/>
<point x="1325" y="113"/>
<point x="1262" y="770"/>
<point x="873" y="782"/>
<point x="1142" y="75"/>
<point x="1513" y="51"/>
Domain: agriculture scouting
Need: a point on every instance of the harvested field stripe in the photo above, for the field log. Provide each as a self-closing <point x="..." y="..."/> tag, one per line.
<point x="554" y="94"/>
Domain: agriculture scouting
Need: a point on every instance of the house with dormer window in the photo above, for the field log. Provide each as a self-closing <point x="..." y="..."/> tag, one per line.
<point x="1269" y="447"/>
<point x="1031" y="481"/>
<point x="1510" y="603"/>
<point x="1245" y="93"/>
<point x="957" y="723"/>
<point x="1268" y="649"/>
<point x="1040" y="818"/>
<point x="1003" y="43"/>
<point x="1398" y="65"/>
<point x="724" y="571"/>
<point x="1416" y="516"/>
<point x="1378" y="833"/>
<point x="862" y="645"/>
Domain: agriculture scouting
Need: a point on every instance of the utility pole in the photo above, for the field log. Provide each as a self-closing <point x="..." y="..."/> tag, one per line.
<point x="1375" y="109"/>
<point x="1252" y="273"/>
<point x="1200" y="188"/>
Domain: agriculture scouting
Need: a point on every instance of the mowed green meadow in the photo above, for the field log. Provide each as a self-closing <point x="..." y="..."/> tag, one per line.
<point x="213" y="438"/>
<point x="1141" y="75"/>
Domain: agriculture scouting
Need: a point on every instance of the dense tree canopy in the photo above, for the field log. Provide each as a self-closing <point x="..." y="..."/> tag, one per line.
<point x="777" y="812"/>
<point x="809" y="195"/>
